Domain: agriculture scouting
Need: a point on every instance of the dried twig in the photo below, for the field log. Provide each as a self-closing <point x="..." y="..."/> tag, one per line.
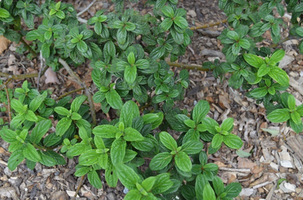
<point x="87" y="93"/>
<point x="235" y="170"/>
<point x="79" y="186"/>
<point x="208" y="25"/>
<point x="85" y="9"/>
<point x="186" y="66"/>
<point x="68" y="93"/>
<point x="8" y="105"/>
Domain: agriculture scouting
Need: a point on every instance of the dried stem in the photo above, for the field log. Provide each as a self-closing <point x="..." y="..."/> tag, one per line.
<point x="28" y="47"/>
<point x="79" y="186"/>
<point x="18" y="77"/>
<point x="85" y="9"/>
<point x="208" y="25"/>
<point x="68" y="93"/>
<point x="186" y="66"/>
<point x="8" y="105"/>
<point x="87" y="92"/>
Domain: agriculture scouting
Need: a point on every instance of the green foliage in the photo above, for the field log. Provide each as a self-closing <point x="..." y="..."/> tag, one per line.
<point x="127" y="52"/>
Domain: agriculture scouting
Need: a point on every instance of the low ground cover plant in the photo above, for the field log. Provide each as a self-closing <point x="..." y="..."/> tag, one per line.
<point x="128" y="53"/>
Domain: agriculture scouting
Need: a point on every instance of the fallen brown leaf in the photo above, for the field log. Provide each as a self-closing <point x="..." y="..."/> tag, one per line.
<point x="3" y="43"/>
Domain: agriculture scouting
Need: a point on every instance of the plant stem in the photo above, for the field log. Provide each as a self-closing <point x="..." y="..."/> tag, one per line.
<point x="17" y="77"/>
<point x="186" y="66"/>
<point x="208" y="25"/>
<point x="87" y="92"/>
<point x="70" y="92"/>
<point x="79" y="186"/>
<point x="8" y="105"/>
<point x="28" y="47"/>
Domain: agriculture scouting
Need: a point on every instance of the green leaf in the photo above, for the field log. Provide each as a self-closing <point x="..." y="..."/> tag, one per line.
<point x="300" y="109"/>
<point x="259" y="92"/>
<point x="75" y="116"/>
<point x="166" y="23"/>
<point x="183" y="161"/>
<point x="277" y="56"/>
<point x="131" y="58"/>
<point x="217" y="141"/>
<point x="117" y="151"/>
<point x="60" y="14"/>
<point x="129" y="26"/>
<point x="62" y="126"/>
<point x="279" y="75"/>
<point x="299" y="31"/>
<point x="37" y="101"/>
<point x="155" y="119"/>
<point x="192" y="147"/>
<point x="142" y="64"/>
<point x="201" y="181"/>
<point x="114" y="99"/>
<point x="244" y="43"/>
<point x="218" y="185"/>
<point x="30" y="116"/>
<point x="89" y="157"/>
<point x="291" y="102"/>
<point x="200" y="111"/>
<point x="17" y="106"/>
<point x="39" y="130"/>
<point x="181" y="22"/>
<point x="47" y="160"/>
<point x="279" y="115"/>
<point x="75" y="106"/>
<point x="94" y="179"/>
<point x="4" y="13"/>
<point x="162" y="184"/>
<point x="168" y="141"/>
<point x="31" y="153"/>
<point x="190" y="123"/>
<point x="253" y="60"/>
<point x="118" y="24"/>
<point x="62" y="111"/>
<point x="232" y="141"/>
<point x="121" y="36"/>
<point x="98" y="28"/>
<point x="148" y="183"/>
<point x="160" y="161"/>
<point x="127" y="176"/>
<point x="227" y="124"/>
<point x="128" y="112"/>
<point x="131" y="134"/>
<point x="82" y="46"/>
<point x="106" y="131"/>
<point x="295" y="116"/>
<point x="208" y="193"/>
<point x="33" y="35"/>
<point x="15" y="159"/>
<point x="58" y="158"/>
<point x="130" y="74"/>
<point x="233" y="190"/>
<point x="235" y="49"/>
<point x="110" y="49"/>
<point x="168" y="11"/>
<point x="45" y="49"/>
<point x="133" y="195"/>
<point x="51" y="139"/>
<point x="81" y="171"/>
<point x="263" y="70"/>
<point x="8" y="135"/>
<point x="157" y="52"/>
<point x="233" y="35"/>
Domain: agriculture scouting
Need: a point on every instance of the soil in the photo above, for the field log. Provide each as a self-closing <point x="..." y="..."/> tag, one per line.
<point x="272" y="171"/>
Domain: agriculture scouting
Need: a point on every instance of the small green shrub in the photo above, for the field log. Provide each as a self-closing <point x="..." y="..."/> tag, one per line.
<point x="127" y="52"/>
